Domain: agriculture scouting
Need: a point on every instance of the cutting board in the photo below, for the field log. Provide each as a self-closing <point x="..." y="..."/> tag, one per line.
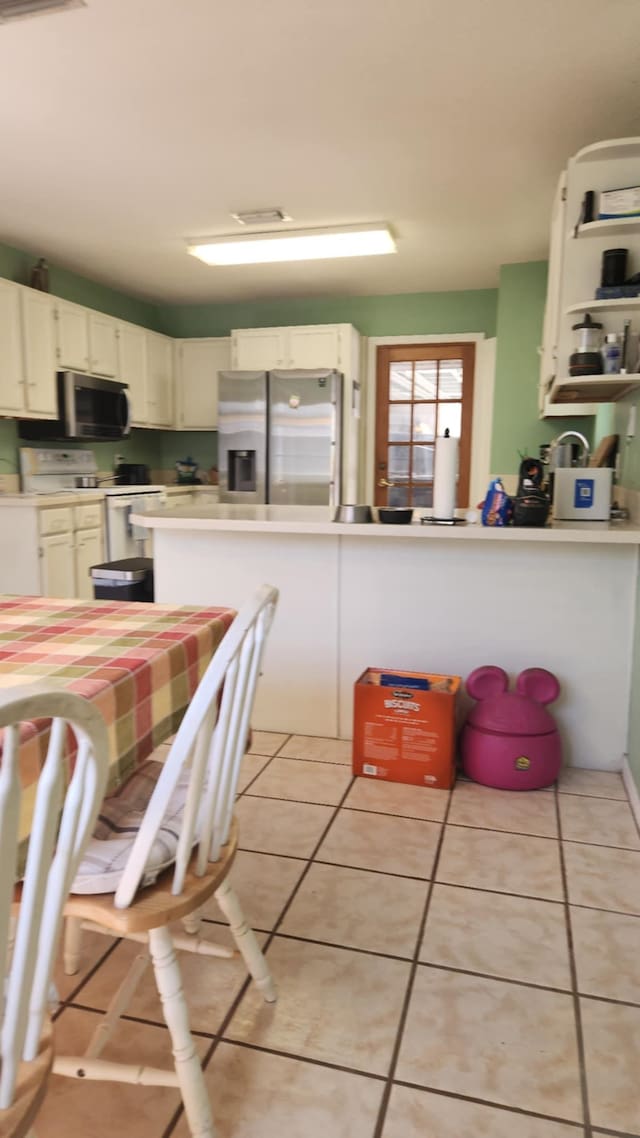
<point x="604" y="452"/>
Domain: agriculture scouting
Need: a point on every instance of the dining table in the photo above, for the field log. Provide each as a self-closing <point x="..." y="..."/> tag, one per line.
<point x="139" y="664"/>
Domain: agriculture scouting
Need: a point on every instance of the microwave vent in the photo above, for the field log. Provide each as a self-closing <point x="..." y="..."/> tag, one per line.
<point x="11" y="10"/>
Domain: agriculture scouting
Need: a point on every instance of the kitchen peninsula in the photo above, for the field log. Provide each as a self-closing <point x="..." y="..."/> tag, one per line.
<point x="428" y="598"/>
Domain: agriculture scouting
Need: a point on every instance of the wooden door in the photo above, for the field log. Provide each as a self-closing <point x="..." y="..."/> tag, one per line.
<point x="58" y="565"/>
<point x="89" y="551"/>
<point x="314" y="346"/>
<point x="132" y="369"/>
<point x="421" y="389"/>
<point x="259" y="349"/>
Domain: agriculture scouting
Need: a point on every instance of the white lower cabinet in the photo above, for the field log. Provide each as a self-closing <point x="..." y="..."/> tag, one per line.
<point x="58" y="570"/>
<point x="56" y="548"/>
<point x="89" y="550"/>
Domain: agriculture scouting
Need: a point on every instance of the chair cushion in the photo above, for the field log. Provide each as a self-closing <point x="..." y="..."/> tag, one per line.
<point x="116" y="829"/>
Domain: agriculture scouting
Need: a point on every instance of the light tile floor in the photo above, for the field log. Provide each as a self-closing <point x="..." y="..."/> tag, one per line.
<point x="449" y="965"/>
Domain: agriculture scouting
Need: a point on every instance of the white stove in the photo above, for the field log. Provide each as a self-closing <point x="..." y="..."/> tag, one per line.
<point x="44" y="470"/>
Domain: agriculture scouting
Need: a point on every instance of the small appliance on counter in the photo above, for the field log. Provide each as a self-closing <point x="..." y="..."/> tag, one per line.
<point x="132" y="474"/>
<point x="531" y="505"/>
<point x="583" y="494"/>
<point x="187" y="471"/>
<point x="586" y="357"/>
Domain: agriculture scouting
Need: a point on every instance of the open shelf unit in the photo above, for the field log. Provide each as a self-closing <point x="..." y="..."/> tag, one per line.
<point x="575" y="269"/>
<point x="571" y="389"/>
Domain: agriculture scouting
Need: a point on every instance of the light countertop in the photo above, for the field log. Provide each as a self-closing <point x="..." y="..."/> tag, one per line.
<point x="316" y="520"/>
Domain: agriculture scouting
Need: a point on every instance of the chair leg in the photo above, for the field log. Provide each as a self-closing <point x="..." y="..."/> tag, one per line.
<point x="187" y="1064"/>
<point x="72" y="945"/>
<point x="246" y="941"/>
<point x="192" y="923"/>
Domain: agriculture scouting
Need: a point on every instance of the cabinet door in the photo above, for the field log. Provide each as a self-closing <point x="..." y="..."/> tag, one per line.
<point x="39" y="348"/>
<point x="314" y="346"/>
<point x="11" y="373"/>
<point x="199" y="362"/>
<point x="103" y="345"/>
<point x="58" y="565"/>
<point x="89" y="551"/>
<point x="132" y="369"/>
<point x="159" y="379"/>
<point x="259" y="349"/>
<point x="72" y="326"/>
<point x="551" y="326"/>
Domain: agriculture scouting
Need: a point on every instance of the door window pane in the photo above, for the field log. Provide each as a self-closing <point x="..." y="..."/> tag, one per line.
<point x="424" y="422"/>
<point x="398" y="495"/>
<point x="450" y="415"/>
<point x="398" y="464"/>
<point x="426" y="380"/>
<point x="400" y="381"/>
<point x="422" y="459"/>
<point x="450" y="386"/>
<point x="422" y="495"/>
<point x="400" y="423"/>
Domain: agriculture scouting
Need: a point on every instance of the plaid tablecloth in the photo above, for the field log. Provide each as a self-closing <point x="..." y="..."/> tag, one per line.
<point x="138" y="663"/>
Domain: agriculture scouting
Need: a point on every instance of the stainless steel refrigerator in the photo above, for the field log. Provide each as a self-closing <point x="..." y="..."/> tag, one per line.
<point x="279" y="437"/>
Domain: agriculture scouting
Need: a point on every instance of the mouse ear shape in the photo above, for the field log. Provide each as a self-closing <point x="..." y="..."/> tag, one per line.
<point x="538" y="684"/>
<point x="487" y="681"/>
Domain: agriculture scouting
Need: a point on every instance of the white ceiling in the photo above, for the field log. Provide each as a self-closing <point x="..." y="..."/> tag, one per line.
<point x="130" y="125"/>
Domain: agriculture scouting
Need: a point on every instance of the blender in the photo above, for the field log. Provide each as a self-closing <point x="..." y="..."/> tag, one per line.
<point x="586" y="357"/>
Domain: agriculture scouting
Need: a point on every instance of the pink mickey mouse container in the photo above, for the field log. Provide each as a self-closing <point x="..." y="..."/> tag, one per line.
<point x="510" y="740"/>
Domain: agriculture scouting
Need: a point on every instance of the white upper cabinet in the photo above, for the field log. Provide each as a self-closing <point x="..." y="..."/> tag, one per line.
<point x="259" y="349"/>
<point x="159" y="379"/>
<point x="103" y="345"/>
<point x="27" y="360"/>
<point x="301" y="346"/>
<point x="198" y="362"/>
<point x="314" y="346"/>
<point x="72" y="335"/>
<point x="39" y="350"/>
<point x="12" y="396"/>
<point x="132" y="368"/>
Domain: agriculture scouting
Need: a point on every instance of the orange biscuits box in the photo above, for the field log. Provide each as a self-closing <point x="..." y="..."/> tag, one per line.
<point x="404" y="727"/>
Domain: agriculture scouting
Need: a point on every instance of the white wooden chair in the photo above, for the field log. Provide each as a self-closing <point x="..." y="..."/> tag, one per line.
<point x="63" y="817"/>
<point x="195" y="790"/>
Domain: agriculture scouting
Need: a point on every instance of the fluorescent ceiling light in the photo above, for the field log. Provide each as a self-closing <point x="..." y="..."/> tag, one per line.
<point x="294" y="245"/>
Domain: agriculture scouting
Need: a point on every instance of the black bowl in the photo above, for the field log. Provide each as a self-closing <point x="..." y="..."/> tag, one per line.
<point x="395" y="515"/>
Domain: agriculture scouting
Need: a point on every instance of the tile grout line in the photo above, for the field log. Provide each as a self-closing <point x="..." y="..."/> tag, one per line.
<point x="519" y="1111"/>
<point x="404" y="1011"/>
<point x="68" y="1000"/>
<point x="582" y="1067"/>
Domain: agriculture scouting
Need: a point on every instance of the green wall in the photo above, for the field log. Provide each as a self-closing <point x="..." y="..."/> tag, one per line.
<point x="405" y="314"/>
<point x="517" y="430"/>
<point x="15" y="265"/>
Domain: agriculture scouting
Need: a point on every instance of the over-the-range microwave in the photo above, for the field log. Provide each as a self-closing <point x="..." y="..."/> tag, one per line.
<point x="88" y="408"/>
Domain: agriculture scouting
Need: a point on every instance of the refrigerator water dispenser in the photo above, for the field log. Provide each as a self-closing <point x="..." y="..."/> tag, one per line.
<point x="242" y="471"/>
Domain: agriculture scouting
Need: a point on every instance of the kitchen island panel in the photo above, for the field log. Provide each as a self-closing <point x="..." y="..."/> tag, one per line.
<point x="450" y="608"/>
<point x="297" y="691"/>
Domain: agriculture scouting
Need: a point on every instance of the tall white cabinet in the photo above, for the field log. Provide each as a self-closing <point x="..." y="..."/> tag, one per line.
<point x="575" y="261"/>
<point x="314" y="346"/>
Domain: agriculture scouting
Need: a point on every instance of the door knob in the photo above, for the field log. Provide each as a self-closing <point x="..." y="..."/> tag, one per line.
<point x="384" y="482"/>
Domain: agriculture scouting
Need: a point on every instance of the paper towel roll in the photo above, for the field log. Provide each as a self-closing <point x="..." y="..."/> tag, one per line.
<point x="444" y="478"/>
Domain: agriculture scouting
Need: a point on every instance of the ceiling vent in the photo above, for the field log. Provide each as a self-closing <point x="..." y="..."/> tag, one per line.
<point x="11" y="10"/>
<point x="261" y="217"/>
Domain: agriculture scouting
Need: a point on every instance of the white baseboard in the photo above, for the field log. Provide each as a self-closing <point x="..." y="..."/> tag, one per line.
<point x="631" y="788"/>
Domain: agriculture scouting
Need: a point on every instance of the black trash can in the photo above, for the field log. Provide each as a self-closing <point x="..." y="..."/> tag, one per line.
<point x="128" y="580"/>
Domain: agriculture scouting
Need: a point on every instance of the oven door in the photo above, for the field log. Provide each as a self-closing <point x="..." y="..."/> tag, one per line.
<point x="93" y="408"/>
<point x="123" y="538"/>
